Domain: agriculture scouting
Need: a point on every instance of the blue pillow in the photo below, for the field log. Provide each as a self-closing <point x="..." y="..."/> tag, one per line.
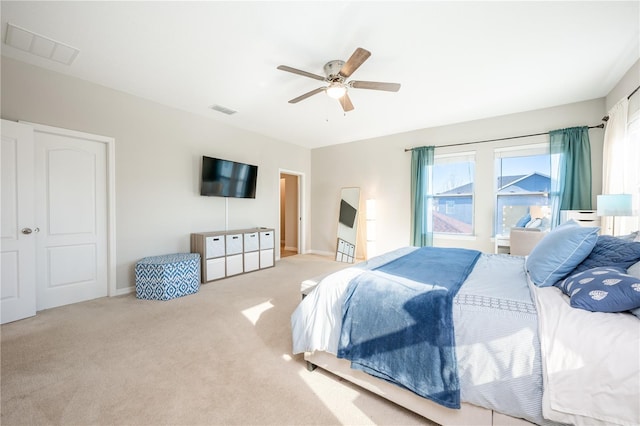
<point x="603" y="289"/>
<point x="610" y="251"/>
<point x="558" y="253"/>
<point x="523" y="221"/>
<point x="636" y="312"/>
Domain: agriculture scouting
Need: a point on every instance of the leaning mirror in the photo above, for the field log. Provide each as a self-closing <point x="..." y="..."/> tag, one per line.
<point x="348" y="225"/>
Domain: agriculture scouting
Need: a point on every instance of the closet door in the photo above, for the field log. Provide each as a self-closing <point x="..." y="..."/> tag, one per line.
<point x="19" y="231"/>
<point x="71" y="210"/>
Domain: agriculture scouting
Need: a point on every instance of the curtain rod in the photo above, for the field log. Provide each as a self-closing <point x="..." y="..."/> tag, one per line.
<point x="599" y="126"/>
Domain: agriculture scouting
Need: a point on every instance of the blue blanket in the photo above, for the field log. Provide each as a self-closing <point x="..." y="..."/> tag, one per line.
<point x="397" y="321"/>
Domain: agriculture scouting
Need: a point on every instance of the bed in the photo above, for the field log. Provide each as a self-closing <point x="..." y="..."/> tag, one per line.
<point x="515" y="341"/>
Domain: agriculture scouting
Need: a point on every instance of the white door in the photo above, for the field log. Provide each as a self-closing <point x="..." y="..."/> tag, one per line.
<point x="71" y="211"/>
<point x="17" y="291"/>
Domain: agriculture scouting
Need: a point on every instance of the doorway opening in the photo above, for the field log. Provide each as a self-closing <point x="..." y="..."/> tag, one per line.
<point x="290" y="213"/>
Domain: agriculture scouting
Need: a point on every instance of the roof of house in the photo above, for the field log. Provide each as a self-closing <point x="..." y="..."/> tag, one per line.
<point x="504" y="182"/>
<point x="444" y="223"/>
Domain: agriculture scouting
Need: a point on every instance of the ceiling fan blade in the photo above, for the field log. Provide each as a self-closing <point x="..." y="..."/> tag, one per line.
<point x="357" y="58"/>
<point x="345" y="102"/>
<point x="306" y="95"/>
<point x="300" y="72"/>
<point x="375" y="85"/>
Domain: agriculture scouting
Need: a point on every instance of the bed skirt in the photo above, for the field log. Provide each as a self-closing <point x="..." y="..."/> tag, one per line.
<point x="466" y="415"/>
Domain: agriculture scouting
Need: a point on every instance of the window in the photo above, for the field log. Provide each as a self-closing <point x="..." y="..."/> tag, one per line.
<point x="452" y="193"/>
<point x="523" y="183"/>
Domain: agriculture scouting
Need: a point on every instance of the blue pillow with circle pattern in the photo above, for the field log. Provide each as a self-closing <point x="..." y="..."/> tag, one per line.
<point x="602" y="289"/>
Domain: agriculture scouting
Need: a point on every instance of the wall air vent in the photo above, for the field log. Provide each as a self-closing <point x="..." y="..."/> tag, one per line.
<point x="222" y="109"/>
<point x="39" y="45"/>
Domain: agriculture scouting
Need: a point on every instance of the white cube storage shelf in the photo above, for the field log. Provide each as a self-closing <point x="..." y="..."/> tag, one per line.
<point x="228" y="253"/>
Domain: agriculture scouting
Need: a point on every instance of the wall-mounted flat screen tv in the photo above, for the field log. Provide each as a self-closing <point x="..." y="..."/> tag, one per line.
<point x="347" y="214"/>
<point x="224" y="178"/>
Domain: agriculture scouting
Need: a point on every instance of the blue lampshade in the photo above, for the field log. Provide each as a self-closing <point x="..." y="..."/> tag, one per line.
<point x="614" y="205"/>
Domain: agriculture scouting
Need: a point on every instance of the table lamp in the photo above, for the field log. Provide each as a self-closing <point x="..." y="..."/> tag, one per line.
<point x="614" y="205"/>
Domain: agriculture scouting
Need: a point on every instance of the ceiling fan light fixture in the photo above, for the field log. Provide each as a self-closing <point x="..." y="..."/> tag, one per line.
<point x="336" y="90"/>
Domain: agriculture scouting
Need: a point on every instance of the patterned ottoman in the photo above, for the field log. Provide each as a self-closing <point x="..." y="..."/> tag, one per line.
<point x="167" y="277"/>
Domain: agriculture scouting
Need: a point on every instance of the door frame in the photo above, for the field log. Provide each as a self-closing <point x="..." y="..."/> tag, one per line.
<point x="111" y="194"/>
<point x="301" y="204"/>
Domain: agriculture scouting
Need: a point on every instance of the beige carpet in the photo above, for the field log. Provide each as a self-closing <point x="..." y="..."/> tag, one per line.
<point x="220" y="356"/>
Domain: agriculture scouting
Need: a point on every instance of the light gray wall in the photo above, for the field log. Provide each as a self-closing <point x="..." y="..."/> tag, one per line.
<point x="158" y="154"/>
<point x="629" y="82"/>
<point x="381" y="168"/>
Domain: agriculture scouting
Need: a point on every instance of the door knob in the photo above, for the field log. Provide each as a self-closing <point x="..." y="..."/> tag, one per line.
<point x="27" y="231"/>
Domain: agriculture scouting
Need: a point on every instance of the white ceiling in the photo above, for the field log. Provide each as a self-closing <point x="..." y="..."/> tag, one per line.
<point x="456" y="61"/>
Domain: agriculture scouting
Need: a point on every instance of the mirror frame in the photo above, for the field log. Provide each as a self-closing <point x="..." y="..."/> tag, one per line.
<point x="348" y="218"/>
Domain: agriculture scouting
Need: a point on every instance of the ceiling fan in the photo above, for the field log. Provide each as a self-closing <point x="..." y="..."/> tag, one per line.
<point x="337" y="72"/>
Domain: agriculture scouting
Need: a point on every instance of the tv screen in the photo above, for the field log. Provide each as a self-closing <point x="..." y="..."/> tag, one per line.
<point x="347" y="214"/>
<point x="224" y="178"/>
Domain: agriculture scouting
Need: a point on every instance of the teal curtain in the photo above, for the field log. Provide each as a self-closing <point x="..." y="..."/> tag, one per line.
<point x="421" y="178"/>
<point x="570" y="170"/>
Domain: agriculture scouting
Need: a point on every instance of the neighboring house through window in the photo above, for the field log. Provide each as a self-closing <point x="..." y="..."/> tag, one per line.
<point x="452" y="193"/>
<point x="522" y="187"/>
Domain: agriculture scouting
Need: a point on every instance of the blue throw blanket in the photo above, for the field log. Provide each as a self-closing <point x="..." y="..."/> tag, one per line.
<point x="397" y="321"/>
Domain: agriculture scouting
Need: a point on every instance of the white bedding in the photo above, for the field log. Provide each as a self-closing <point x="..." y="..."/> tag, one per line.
<point x="497" y="351"/>
<point x="316" y="323"/>
<point x="591" y="362"/>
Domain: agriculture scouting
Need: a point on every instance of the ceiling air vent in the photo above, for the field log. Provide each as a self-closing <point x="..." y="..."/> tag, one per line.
<point x="39" y="45"/>
<point x="222" y="109"/>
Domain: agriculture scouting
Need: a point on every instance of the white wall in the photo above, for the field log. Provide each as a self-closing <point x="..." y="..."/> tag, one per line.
<point x="381" y="168"/>
<point x="158" y="155"/>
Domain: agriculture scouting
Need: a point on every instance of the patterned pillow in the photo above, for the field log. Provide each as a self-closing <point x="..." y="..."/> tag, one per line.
<point x="610" y="251"/>
<point x="603" y="289"/>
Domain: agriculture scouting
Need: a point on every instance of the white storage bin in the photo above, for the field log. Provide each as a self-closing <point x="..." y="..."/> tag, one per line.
<point x="251" y="261"/>
<point x="214" y="246"/>
<point x="234" y="244"/>
<point x="234" y="264"/>
<point x="215" y="269"/>
<point x="266" y="258"/>
<point x="266" y="240"/>
<point x="251" y="242"/>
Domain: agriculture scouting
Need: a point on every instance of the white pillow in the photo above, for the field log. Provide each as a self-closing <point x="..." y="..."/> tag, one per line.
<point x="634" y="270"/>
<point x="534" y="223"/>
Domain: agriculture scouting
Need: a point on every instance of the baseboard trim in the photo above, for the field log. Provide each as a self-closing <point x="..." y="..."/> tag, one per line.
<point x="322" y="252"/>
<point x="290" y="248"/>
<point x="123" y="291"/>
